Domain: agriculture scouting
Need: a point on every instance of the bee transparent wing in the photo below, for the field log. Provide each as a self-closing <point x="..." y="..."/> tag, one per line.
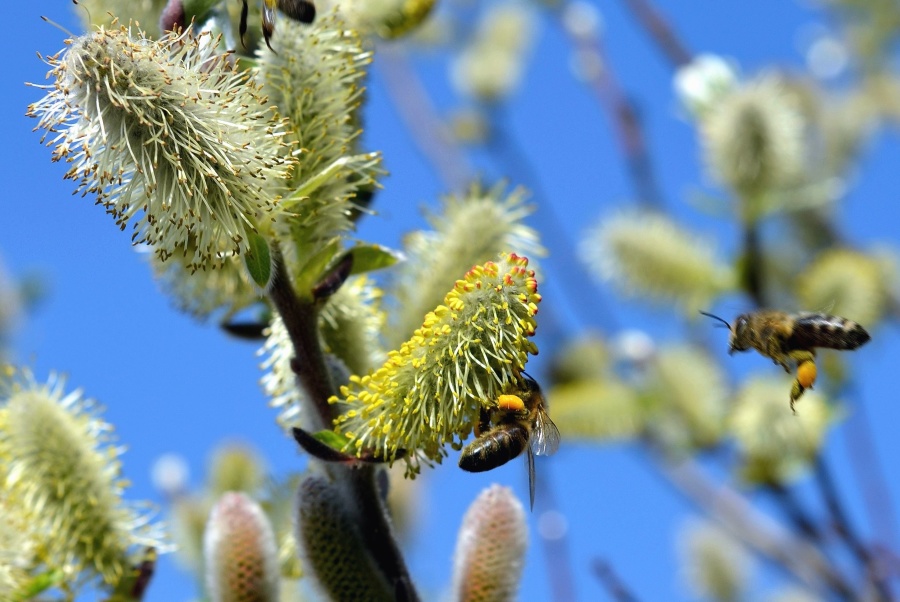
<point x="530" y="459"/>
<point x="544" y="435"/>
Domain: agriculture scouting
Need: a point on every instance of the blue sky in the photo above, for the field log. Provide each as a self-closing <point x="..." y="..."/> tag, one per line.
<point x="170" y="384"/>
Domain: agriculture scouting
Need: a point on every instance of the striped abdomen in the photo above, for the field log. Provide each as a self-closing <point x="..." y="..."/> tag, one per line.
<point x="823" y="330"/>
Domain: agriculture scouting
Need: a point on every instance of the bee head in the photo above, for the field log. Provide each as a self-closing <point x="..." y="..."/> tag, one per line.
<point x="739" y="340"/>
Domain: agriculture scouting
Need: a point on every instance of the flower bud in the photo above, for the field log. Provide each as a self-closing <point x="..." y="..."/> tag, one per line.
<point x="330" y="542"/>
<point x="490" y="549"/>
<point x="240" y="552"/>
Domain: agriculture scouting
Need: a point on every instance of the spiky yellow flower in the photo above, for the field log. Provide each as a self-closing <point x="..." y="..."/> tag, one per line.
<point x="62" y="469"/>
<point x="490" y="549"/>
<point x="469" y="350"/>
<point x="471" y="228"/>
<point x="169" y="136"/>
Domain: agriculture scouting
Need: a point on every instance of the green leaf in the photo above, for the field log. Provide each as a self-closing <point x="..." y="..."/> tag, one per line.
<point x="315" y="266"/>
<point x="368" y="258"/>
<point x="197" y="8"/>
<point x="39" y="584"/>
<point x="258" y="260"/>
<point x="332" y="439"/>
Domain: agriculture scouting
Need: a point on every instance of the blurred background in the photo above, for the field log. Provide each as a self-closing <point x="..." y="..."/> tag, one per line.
<point x="86" y="304"/>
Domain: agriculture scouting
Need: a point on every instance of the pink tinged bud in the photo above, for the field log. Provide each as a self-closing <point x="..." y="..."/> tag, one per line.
<point x="490" y="551"/>
<point x="240" y="552"/>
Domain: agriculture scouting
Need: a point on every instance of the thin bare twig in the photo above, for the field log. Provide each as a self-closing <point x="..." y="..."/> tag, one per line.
<point x="417" y="111"/>
<point x="624" y="116"/>
<point x="611" y="582"/>
<point x="660" y="31"/>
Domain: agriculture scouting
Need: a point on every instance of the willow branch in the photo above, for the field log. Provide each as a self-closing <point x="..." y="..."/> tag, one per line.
<point x="624" y="116"/>
<point x="801" y="559"/>
<point x="300" y="318"/>
<point x="660" y="31"/>
<point x="420" y="117"/>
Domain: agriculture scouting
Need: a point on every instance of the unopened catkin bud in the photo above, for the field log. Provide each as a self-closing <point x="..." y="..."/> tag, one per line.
<point x="490" y="550"/>
<point x="331" y="544"/>
<point x="240" y="553"/>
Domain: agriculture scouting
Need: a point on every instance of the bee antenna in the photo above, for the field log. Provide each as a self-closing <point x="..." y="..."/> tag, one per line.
<point x="715" y="317"/>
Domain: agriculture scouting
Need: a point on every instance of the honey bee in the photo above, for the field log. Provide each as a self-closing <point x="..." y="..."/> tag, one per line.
<point x="520" y="423"/>
<point x="782" y="336"/>
<point x="303" y="11"/>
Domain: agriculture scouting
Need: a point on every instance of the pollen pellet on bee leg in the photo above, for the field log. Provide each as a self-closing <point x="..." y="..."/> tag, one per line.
<point x="806" y="374"/>
<point x="513" y="403"/>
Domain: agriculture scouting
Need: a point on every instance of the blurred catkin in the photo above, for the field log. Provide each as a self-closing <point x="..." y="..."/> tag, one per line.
<point x="240" y="552"/>
<point x="715" y="565"/>
<point x="846" y="283"/>
<point x="774" y="444"/>
<point x="469" y="229"/>
<point x="490" y="549"/>
<point x="648" y="254"/>
<point x="63" y="472"/>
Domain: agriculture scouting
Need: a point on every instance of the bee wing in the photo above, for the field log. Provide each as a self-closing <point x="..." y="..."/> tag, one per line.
<point x="544" y="435"/>
<point x="530" y="459"/>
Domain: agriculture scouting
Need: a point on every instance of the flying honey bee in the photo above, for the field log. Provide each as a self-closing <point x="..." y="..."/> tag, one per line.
<point x="782" y="336"/>
<point x="520" y="423"/>
<point x="303" y="11"/>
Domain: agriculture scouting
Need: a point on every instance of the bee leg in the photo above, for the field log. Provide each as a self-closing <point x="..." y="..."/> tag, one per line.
<point x="484" y="422"/>
<point x="242" y="27"/>
<point x="796" y="391"/>
<point x="806" y="376"/>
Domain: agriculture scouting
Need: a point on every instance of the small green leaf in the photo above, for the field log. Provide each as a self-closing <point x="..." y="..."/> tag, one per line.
<point x="316" y="182"/>
<point x="332" y="439"/>
<point x="197" y="8"/>
<point x="258" y="260"/>
<point x="39" y="584"/>
<point x="368" y="258"/>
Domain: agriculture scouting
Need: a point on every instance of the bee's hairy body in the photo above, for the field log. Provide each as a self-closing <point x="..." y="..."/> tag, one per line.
<point x="495" y="447"/>
<point x="302" y="11"/>
<point x="783" y="336"/>
<point x="519" y="423"/>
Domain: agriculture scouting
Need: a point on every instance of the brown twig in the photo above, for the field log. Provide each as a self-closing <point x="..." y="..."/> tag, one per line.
<point x="417" y="111"/>
<point x="660" y="31"/>
<point x="624" y="116"/>
<point x="611" y="582"/>
<point x="799" y="558"/>
<point x="845" y="530"/>
<point x="301" y="322"/>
